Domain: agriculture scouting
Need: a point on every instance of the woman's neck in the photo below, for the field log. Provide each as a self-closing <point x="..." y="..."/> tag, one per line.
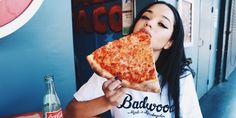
<point x="156" y="55"/>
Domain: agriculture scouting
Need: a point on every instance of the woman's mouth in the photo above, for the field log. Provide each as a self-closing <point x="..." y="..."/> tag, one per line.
<point x="145" y="30"/>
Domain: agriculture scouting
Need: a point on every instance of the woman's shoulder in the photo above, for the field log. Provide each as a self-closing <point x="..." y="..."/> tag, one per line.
<point x="186" y="77"/>
<point x="185" y="72"/>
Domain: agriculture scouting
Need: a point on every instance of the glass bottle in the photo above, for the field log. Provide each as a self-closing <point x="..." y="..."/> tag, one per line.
<point x="51" y="103"/>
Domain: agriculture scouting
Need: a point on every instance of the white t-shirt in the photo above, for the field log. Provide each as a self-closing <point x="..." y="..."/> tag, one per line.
<point x="137" y="104"/>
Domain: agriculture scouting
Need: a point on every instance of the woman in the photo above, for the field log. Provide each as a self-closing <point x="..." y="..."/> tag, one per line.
<point x="178" y="97"/>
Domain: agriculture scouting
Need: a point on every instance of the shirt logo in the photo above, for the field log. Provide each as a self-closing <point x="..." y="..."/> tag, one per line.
<point x="144" y="106"/>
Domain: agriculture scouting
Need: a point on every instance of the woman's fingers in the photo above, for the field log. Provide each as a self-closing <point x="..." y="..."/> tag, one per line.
<point x="118" y="96"/>
<point x="114" y="91"/>
<point x="110" y="86"/>
<point x="106" y="84"/>
<point x="115" y="84"/>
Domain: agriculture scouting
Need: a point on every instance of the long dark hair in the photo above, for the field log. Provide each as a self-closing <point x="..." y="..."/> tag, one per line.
<point x="172" y="61"/>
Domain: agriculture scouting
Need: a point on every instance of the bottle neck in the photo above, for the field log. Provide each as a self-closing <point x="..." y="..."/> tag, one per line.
<point x="51" y="95"/>
<point x="49" y="83"/>
<point x="50" y="87"/>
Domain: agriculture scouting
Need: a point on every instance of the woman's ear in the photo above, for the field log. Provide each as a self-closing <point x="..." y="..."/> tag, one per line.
<point x="168" y="44"/>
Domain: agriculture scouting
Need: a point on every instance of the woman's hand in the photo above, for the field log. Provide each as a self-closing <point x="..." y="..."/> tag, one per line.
<point x="114" y="91"/>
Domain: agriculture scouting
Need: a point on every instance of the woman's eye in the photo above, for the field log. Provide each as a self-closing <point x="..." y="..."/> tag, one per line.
<point x="145" y="18"/>
<point x="162" y="25"/>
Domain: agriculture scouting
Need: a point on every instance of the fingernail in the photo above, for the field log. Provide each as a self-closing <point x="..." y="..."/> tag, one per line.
<point x="117" y="78"/>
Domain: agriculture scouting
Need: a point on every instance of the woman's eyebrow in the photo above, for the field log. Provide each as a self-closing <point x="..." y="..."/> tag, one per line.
<point x="150" y="11"/>
<point x="167" y="18"/>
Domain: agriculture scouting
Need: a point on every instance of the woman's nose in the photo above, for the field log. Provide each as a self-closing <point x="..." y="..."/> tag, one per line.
<point x="147" y="25"/>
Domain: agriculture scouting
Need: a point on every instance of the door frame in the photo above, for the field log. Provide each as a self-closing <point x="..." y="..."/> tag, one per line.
<point x="227" y="33"/>
<point x="219" y="53"/>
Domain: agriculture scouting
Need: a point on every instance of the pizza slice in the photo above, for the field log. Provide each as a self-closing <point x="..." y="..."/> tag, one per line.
<point x="129" y="58"/>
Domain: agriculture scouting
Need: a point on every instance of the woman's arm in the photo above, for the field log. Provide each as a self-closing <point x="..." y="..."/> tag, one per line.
<point x="189" y="104"/>
<point x="86" y="109"/>
<point x="114" y="93"/>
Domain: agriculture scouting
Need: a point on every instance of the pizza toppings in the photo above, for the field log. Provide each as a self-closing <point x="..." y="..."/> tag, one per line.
<point x="130" y="58"/>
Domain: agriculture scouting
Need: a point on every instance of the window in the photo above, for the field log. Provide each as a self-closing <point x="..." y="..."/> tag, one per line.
<point x="185" y="8"/>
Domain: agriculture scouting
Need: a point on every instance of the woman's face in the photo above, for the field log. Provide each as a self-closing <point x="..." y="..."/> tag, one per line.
<point x="158" y="21"/>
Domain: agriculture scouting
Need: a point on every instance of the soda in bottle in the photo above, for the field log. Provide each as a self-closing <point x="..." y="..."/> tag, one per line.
<point x="51" y="103"/>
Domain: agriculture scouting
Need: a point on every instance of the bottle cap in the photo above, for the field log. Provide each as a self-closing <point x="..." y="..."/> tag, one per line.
<point x="48" y="77"/>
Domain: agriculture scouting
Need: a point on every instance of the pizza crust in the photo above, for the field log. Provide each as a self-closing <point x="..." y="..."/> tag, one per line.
<point x="147" y="86"/>
<point x="98" y="69"/>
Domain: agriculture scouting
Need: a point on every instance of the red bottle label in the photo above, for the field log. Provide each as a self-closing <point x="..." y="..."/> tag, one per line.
<point x="54" y="114"/>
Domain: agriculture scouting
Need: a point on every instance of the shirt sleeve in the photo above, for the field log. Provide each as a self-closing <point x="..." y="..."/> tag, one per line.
<point x="90" y="90"/>
<point x="189" y="104"/>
